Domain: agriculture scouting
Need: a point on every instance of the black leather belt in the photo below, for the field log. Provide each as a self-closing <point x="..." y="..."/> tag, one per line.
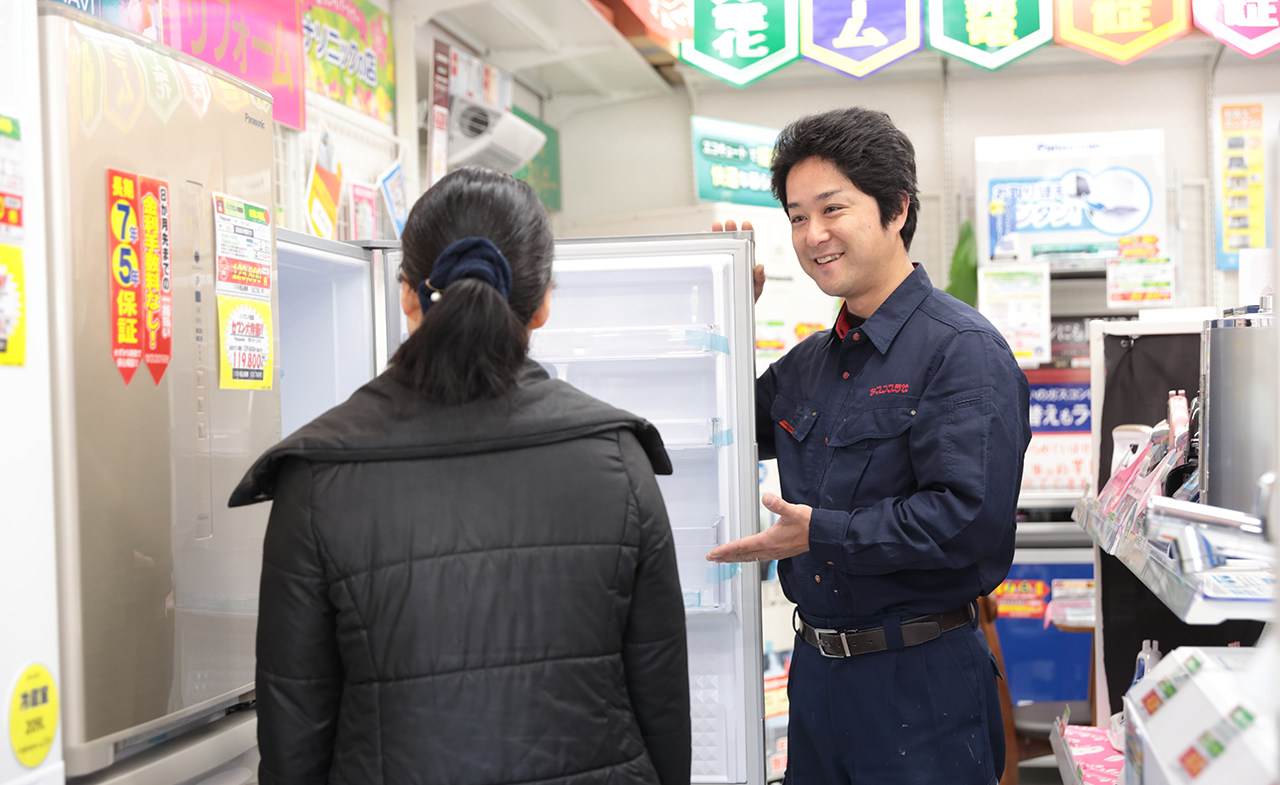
<point x="849" y="643"/>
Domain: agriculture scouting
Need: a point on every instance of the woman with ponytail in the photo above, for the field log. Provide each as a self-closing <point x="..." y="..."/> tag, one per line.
<point x="468" y="574"/>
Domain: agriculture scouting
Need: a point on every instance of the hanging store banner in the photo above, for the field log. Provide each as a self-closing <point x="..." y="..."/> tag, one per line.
<point x="859" y="37"/>
<point x="543" y="172"/>
<point x="157" y="276"/>
<point x="989" y="33"/>
<point x="740" y="41"/>
<point x="671" y="20"/>
<point x="1063" y="193"/>
<point x="13" y="320"/>
<point x="1121" y="30"/>
<point x="438" y="133"/>
<point x="731" y="161"/>
<point x="324" y="187"/>
<point x="1251" y="27"/>
<point x="258" y="41"/>
<point x="1246" y="130"/>
<point x="349" y="56"/>
<point x="123" y="240"/>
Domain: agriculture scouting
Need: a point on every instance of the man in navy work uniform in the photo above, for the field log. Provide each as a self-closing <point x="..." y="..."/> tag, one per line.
<point x="899" y="436"/>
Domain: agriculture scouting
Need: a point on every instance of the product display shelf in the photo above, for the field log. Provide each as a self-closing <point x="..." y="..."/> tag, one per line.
<point x="1044" y="500"/>
<point x="1190" y="596"/>
<point x="1067" y="768"/>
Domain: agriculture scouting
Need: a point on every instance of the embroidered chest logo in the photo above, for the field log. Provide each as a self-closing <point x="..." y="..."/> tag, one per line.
<point x="890" y="388"/>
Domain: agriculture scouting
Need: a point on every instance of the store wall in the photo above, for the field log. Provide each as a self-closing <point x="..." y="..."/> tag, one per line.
<point x="636" y="156"/>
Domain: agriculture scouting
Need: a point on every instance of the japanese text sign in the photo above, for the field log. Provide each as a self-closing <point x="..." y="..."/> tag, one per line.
<point x="157" y="276"/>
<point x="859" y="37"/>
<point x="349" y="57"/>
<point x="243" y="246"/>
<point x="731" y="161"/>
<point x="124" y="271"/>
<point x="1251" y="27"/>
<point x="258" y="41"/>
<point x="740" y="41"/>
<point x="1244" y="136"/>
<point x="669" y="19"/>
<point x="1121" y="30"/>
<point x="1058" y="458"/>
<point x="989" y="33"/>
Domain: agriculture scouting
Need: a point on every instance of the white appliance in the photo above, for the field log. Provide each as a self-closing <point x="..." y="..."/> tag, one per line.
<point x="334" y="320"/>
<point x="483" y="135"/>
<point x="663" y="327"/>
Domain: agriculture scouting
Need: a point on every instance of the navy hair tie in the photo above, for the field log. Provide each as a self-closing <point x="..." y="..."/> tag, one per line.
<point x="470" y="257"/>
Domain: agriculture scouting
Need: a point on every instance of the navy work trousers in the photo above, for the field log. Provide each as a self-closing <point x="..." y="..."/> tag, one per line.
<point x="922" y="715"/>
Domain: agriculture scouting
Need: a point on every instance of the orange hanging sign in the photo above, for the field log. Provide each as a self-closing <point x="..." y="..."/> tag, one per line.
<point x="125" y="273"/>
<point x="1120" y="30"/>
<point x="157" y="280"/>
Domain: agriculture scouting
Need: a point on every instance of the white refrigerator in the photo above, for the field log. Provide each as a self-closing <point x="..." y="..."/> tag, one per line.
<point x="663" y="327"/>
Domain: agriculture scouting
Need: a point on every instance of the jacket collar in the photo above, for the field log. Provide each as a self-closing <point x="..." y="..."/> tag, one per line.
<point x="387" y="421"/>
<point x="887" y="321"/>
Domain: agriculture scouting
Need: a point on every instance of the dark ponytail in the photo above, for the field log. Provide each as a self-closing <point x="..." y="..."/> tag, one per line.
<point x="472" y="341"/>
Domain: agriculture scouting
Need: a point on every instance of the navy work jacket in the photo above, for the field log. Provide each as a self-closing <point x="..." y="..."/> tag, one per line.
<point x="905" y="433"/>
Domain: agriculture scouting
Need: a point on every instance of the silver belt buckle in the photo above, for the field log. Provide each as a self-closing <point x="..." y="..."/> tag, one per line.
<point x="844" y="641"/>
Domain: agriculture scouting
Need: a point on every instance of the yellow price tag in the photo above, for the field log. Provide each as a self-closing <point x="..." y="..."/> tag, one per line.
<point x="33" y="716"/>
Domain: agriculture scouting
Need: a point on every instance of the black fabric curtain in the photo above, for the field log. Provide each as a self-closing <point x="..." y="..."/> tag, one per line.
<point x="1140" y="373"/>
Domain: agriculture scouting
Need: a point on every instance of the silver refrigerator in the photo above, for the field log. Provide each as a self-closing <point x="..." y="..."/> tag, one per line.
<point x="158" y="579"/>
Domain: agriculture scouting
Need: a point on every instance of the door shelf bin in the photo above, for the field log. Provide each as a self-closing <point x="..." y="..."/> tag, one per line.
<point x="581" y="343"/>
<point x="700" y="580"/>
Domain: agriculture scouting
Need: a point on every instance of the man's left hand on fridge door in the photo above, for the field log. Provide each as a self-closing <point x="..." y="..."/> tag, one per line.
<point x="757" y="274"/>
<point x="788" y="537"/>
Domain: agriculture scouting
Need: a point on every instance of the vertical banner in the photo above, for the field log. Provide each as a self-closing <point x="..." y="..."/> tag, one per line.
<point x="12" y="284"/>
<point x="13" y="331"/>
<point x="1246" y="130"/>
<point x="859" y="37"/>
<point x="258" y="41"/>
<point x="543" y="172"/>
<point x="157" y="277"/>
<point x="363" y="212"/>
<point x="1251" y="27"/>
<point x="438" y="143"/>
<point x="989" y="33"/>
<point x="243" y="243"/>
<point x="349" y="55"/>
<point x="1015" y="297"/>
<point x="740" y="41"/>
<point x="1121" y="30"/>
<point x="395" y="194"/>
<point x="731" y="161"/>
<point x="324" y="187"/>
<point x="125" y="308"/>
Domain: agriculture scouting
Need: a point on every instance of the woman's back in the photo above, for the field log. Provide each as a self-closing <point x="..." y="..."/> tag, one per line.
<point x="483" y="593"/>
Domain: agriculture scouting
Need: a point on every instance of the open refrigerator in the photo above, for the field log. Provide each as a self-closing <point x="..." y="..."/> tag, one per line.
<point x="662" y="327"/>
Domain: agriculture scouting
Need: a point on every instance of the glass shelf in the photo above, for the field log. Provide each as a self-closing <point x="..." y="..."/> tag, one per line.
<point x="616" y="343"/>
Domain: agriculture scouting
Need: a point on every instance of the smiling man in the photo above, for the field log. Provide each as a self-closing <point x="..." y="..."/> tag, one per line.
<point x="899" y="436"/>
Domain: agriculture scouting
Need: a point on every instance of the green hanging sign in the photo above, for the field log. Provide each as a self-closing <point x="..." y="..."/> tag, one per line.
<point x="989" y="33"/>
<point x="740" y="41"/>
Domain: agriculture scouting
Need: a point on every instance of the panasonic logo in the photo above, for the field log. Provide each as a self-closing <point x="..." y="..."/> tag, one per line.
<point x="251" y="120"/>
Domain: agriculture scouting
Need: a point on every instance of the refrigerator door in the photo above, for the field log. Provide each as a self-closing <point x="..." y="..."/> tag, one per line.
<point x="328" y="329"/>
<point x="662" y="327"/>
<point x="158" y="579"/>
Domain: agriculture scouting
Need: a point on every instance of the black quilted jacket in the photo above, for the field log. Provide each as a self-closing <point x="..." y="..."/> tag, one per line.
<point x="476" y="594"/>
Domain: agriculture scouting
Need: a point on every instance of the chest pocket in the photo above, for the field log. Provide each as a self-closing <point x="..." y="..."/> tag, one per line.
<point x="796" y="419"/>
<point x="871" y="425"/>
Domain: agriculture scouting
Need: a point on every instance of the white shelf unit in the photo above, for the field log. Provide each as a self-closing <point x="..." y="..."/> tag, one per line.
<point x="1047" y="500"/>
<point x="1189" y="596"/>
<point x="564" y="49"/>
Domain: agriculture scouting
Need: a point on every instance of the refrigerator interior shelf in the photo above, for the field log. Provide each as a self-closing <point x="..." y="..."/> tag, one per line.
<point x="1209" y="597"/>
<point x="700" y="580"/>
<point x="616" y="343"/>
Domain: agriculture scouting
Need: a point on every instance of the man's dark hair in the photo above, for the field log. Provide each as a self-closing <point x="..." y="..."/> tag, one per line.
<point x="866" y="147"/>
